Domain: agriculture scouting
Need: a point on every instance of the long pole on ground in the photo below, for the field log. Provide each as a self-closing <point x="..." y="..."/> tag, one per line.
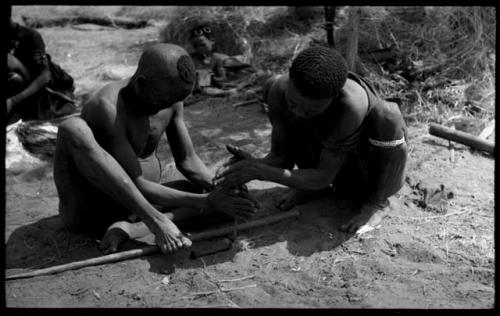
<point x="149" y="250"/>
<point x="461" y="137"/>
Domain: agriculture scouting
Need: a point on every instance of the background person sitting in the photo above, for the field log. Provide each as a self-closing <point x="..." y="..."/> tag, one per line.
<point x="36" y="87"/>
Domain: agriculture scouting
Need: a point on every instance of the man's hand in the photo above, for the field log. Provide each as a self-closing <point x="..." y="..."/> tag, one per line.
<point x="237" y="173"/>
<point x="233" y="202"/>
<point x="295" y="197"/>
<point x="238" y="155"/>
<point x="167" y="236"/>
<point x="288" y="200"/>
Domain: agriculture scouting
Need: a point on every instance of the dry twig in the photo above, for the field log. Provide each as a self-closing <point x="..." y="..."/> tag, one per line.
<point x="224" y="290"/>
<point x="431" y="217"/>
<point x="238" y="279"/>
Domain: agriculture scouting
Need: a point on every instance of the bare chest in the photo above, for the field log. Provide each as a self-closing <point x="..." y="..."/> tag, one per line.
<point x="145" y="134"/>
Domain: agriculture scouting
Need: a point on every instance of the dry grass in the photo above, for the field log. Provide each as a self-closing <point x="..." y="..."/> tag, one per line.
<point x="458" y="45"/>
<point x="455" y="44"/>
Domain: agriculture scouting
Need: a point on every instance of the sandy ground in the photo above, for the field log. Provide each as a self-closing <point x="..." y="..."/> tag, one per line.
<point x="440" y="256"/>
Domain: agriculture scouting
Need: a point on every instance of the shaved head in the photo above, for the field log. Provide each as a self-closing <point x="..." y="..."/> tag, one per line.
<point x="169" y="65"/>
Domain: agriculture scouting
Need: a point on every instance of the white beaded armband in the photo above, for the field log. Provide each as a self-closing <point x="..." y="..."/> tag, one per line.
<point x="390" y="143"/>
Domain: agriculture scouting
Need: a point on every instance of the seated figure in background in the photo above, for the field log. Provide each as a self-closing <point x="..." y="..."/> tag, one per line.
<point x="218" y="74"/>
<point x="37" y="88"/>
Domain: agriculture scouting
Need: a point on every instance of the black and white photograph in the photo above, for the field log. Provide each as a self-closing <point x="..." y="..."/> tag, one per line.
<point x="254" y="157"/>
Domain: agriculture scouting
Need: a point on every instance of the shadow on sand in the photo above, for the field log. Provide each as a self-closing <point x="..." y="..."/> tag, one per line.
<point x="48" y="243"/>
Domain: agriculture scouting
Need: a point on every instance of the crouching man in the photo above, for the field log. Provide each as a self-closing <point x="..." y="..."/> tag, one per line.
<point x="336" y="129"/>
<point x="106" y="169"/>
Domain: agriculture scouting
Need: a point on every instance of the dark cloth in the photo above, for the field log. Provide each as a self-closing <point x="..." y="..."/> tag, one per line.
<point x="57" y="98"/>
<point x="369" y="172"/>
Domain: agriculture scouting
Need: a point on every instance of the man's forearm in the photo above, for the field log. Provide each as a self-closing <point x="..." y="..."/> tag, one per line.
<point x="36" y="85"/>
<point x="196" y="171"/>
<point x="274" y="160"/>
<point x="161" y="195"/>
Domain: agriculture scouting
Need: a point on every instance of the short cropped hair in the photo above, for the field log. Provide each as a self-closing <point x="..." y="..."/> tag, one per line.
<point x="319" y="72"/>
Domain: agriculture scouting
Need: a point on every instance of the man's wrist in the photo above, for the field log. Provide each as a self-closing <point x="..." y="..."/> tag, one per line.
<point x="260" y="170"/>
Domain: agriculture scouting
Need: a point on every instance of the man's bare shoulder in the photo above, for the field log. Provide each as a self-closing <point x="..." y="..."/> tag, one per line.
<point x="387" y="112"/>
<point x="101" y="107"/>
<point x="354" y="99"/>
<point x="104" y="99"/>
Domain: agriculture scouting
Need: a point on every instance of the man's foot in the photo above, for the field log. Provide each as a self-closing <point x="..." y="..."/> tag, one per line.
<point x="296" y="197"/>
<point x="367" y="219"/>
<point x="115" y="235"/>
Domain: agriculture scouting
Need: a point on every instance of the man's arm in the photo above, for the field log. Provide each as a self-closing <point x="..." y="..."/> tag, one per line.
<point x="186" y="159"/>
<point x="279" y="155"/>
<point x="302" y="179"/>
<point x="113" y="133"/>
<point x="35" y="41"/>
<point x="36" y="85"/>
<point x="390" y="151"/>
<point x="330" y="162"/>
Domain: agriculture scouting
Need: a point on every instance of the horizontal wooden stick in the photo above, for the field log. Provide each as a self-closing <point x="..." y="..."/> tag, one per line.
<point x="251" y="101"/>
<point x="149" y="250"/>
<point x="461" y="137"/>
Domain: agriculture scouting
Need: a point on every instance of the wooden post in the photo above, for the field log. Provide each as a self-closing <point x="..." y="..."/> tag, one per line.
<point x="352" y="39"/>
<point x="149" y="250"/>
<point x="461" y="137"/>
<point x="329" y="25"/>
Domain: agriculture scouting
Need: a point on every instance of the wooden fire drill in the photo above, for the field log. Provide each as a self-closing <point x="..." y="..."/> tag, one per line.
<point x="149" y="250"/>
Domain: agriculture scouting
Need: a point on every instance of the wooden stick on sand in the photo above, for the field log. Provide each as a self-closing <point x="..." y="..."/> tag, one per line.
<point x="149" y="250"/>
<point x="462" y="138"/>
<point x="251" y="101"/>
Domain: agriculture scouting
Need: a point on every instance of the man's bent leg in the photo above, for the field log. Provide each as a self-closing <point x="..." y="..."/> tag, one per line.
<point x="185" y="217"/>
<point x="386" y="177"/>
<point x="82" y="207"/>
<point x="84" y="173"/>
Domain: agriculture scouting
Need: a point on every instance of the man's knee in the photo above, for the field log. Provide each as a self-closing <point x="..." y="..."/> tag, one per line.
<point x="15" y="79"/>
<point x="75" y="134"/>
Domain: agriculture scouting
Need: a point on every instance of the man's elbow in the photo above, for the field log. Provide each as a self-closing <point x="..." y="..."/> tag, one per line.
<point x="142" y="184"/>
<point x="186" y="165"/>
